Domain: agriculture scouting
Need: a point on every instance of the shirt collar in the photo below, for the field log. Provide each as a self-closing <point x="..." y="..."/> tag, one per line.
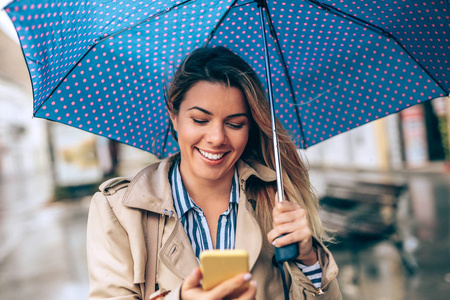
<point x="183" y="202"/>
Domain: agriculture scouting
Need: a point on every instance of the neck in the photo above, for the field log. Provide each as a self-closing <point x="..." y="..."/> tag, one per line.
<point x="203" y="191"/>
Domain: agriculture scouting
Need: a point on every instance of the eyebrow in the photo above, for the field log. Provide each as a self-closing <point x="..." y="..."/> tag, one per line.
<point x="209" y="113"/>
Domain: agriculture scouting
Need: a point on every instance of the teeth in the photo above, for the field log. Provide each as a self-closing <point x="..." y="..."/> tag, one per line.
<point x="211" y="156"/>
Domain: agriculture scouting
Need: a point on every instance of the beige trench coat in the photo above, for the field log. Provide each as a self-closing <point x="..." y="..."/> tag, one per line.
<point x="117" y="253"/>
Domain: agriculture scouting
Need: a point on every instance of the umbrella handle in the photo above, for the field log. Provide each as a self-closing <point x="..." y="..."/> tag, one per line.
<point x="286" y="253"/>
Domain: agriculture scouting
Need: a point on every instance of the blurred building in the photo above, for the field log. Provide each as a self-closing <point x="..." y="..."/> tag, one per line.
<point x="23" y="143"/>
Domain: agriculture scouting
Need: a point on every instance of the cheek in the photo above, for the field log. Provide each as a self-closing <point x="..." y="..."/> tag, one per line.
<point x="187" y="133"/>
<point x="241" y="141"/>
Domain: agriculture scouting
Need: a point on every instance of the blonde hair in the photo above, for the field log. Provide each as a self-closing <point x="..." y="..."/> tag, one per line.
<point x="220" y="65"/>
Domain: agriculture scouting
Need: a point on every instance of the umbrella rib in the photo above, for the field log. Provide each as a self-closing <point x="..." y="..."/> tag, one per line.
<point x="167" y="130"/>
<point x="96" y="41"/>
<point x="274" y="35"/>
<point x="89" y="48"/>
<point x="374" y="28"/>
<point x="213" y="31"/>
<point x="169" y="9"/>
<point x="166" y="136"/>
<point x="244" y="4"/>
<point x="343" y="14"/>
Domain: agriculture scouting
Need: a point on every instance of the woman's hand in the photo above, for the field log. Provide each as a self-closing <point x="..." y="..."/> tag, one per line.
<point x="192" y="289"/>
<point x="291" y="220"/>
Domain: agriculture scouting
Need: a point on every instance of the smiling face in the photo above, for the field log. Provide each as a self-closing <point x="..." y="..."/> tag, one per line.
<point x="212" y="126"/>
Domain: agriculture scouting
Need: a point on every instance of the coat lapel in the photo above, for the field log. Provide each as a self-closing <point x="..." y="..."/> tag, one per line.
<point x="176" y="252"/>
<point x="248" y="232"/>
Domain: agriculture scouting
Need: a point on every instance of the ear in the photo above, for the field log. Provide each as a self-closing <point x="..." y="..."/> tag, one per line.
<point x="174" y="119"/>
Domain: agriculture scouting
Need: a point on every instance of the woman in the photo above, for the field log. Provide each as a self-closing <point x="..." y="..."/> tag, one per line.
<point x="218" y="192"/>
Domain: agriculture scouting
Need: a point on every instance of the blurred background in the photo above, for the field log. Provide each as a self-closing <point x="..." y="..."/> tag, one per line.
<point x="384" y="190"/>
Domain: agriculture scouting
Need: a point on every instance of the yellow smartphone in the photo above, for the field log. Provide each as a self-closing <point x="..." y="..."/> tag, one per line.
<point x="220" y="265"/>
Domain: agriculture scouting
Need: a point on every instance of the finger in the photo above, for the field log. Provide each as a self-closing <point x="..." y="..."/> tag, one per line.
<point x="296" y="223"/>
<point x="283" y="226"/>
<point x="298" y="215"/>
<point x="272" y="235"/>
<point x="291" y="239"/>
<point x="287" y="206"/>
<point x="275" y="234"/>
<point x="287" y="229"/>
<point x="193" y="280"/>
<point x="229" y="286"/>
<point x="288" y="234"/>
<point x="250" y="293"/>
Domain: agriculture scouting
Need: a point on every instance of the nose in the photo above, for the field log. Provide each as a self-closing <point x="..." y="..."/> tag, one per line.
<point x="216" y="135"/>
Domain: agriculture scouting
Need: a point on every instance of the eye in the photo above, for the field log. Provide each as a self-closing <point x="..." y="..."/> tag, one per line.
<point x="235" y="125"/>
<point x="199" y="121"/>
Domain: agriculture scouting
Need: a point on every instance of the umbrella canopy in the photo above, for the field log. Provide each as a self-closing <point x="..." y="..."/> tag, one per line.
<point x="103" y="65"/>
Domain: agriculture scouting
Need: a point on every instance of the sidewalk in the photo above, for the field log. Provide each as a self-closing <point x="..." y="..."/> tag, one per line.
<point x="42" y="253"/>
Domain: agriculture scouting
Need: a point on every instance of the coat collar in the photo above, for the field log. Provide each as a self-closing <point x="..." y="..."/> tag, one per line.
<point x="150" y="188"/>
<point x="246" y="170"/>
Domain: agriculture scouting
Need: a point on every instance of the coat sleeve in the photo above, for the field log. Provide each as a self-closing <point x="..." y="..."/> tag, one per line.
<point x="110" y="261"/>
<point x="303" y="288"/>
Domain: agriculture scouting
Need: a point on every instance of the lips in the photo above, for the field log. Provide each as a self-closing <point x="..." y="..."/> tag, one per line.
<point x="211" y="156"/>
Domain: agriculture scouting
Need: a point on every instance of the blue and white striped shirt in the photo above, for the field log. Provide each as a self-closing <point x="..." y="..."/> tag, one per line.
<point x="313" y="273"/>
<point x="194" y="220"/>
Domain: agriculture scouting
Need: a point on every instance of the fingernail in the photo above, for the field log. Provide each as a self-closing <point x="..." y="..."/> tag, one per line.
<point x="247" y="277"/>
<point x="274" y="243"/>
<point x="255" y="283"/>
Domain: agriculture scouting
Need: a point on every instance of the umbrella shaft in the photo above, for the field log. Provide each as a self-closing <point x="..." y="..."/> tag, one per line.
<point x="276" y="146"/>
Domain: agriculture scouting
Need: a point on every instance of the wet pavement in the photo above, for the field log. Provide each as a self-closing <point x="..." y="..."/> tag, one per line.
<point x="42" y="253"/>
<point x="411" y="263"/>
<point x="42" y="248"/>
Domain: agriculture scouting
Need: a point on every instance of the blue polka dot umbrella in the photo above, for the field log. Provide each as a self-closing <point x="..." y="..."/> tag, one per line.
<point x="103" y="65"/>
